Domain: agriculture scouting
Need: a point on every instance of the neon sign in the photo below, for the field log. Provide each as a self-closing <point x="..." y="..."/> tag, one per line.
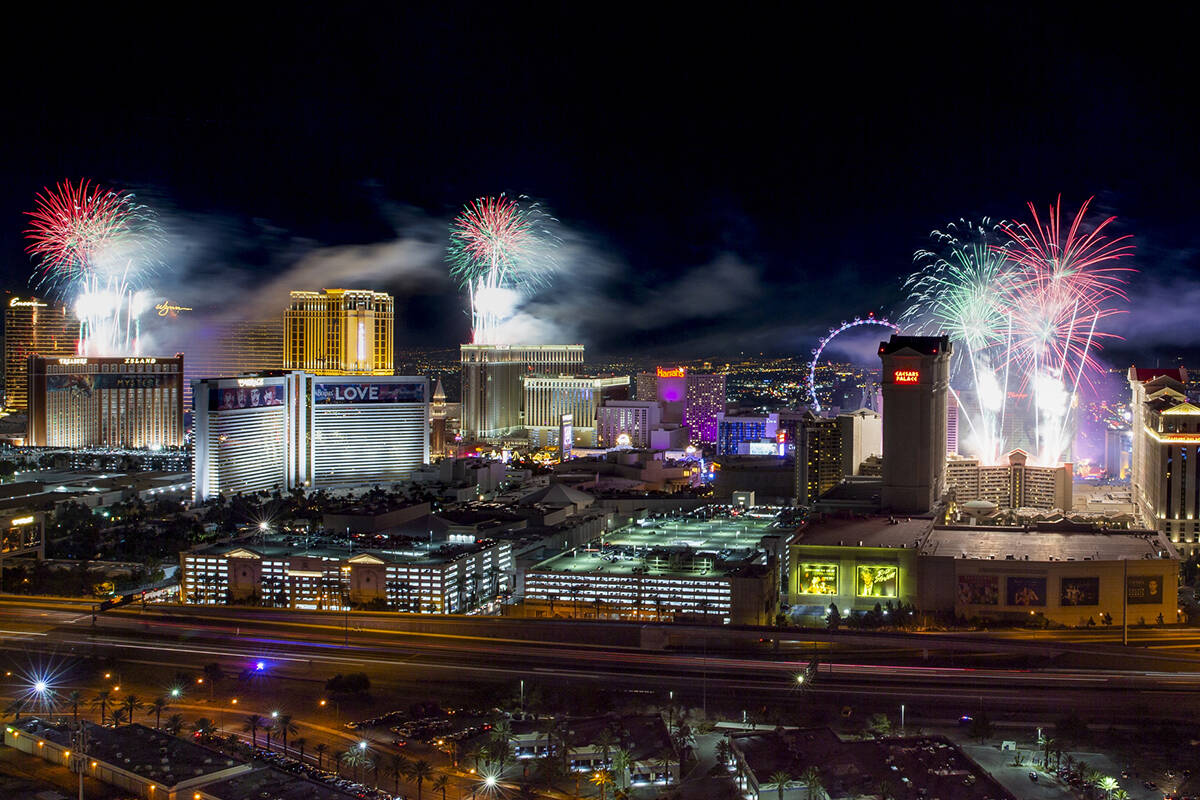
<point x="906" y="376"/>
<point x="140" y="361"/>
<point x="247" y="382"/>
<point x="16" y="302"/>
<point x="70" y="361"/>
<point x="671" y="372"/>
<point x="164" y="308"/>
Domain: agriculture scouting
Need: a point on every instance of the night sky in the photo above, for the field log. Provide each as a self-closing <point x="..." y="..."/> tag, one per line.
<point x="725" y="181"/>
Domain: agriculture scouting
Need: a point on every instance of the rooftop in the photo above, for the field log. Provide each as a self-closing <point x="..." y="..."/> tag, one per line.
<point x="390" y="550"/>
<point x="926" y="345"/>
<point x="1001" y="543"/>
<point x="268" y="783"/>
<point x="875" y="531"/>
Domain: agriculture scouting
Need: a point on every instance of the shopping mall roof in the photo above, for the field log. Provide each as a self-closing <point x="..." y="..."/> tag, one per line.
<point x="1004" y="544"/>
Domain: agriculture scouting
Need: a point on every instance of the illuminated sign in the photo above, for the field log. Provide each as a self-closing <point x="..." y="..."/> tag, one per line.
<point x="878" y="581"/>
<point x="249" y="381"/>
<point x="781" y="437"/>
<point x="66" y="362"/>
<point x="1144" y="589"/>
<point x="818" y="579"/>
<point x="17" y="302"/>
<point x="906" y="376"/>
<point x="140" y="361"/>
<point x="22" y="521"/>
<point x="978" y="590"/>
<point x="624" y="440"/>
<point x="164" y="308"/>
<point x="245" y="397"/>
<point x="1025" y="591"/>
<point x="1079" y="592"/>
<point x="671" y="372"/>
<point x="329" y="392"/>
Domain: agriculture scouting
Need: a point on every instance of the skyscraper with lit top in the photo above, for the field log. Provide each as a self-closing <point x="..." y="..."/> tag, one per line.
<point x="339" y="332"/>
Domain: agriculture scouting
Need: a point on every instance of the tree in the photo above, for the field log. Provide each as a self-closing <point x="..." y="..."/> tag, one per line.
<point x="15" y="708"/>
<point x="981" y="727"/>
<point x="879" y="725"/>
<point x="252" y="725"/>
<point x="118" y="716"/>
<point x="131" y="704"/>
<point x="174" y="724"/>
<point x="1107" y="784"/>
<point x="285" y="727"/>
<point x="811" y="778"/>
<point x="205" y="727"/>
<point x="214" y="675"/>
<point x="620" y="765"/>
<point x="440" y="784"/>
<point x="156" y="707"/>
<point x="1047" y="746"/>
<point x="724" y="752"/>
<point x="834" y="621"/>
<point x="400" y="767"/>
<point x="102" y="700"/>
<point x="320" y="750"/>
<point x="75" y="698"/>
<point x="605" y="740"/>
<point x="299" y="742"/>
<point x="421" y="772"/>
<point x="781" y="778"/>
<point x="602" y="779"/>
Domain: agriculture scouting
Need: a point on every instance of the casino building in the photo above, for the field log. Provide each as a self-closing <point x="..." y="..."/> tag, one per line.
<point x="283" y="430"/>
<point x="105" y="402"/>
<point x="339" y="332"/>
<point x="32" y="327"/>
<point x="689" y="399"/>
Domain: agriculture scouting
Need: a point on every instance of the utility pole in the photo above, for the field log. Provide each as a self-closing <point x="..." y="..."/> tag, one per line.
<point x="79" y="762"/>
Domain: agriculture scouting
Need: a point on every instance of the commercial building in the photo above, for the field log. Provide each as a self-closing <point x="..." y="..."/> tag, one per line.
<point x="439" y="439"/>
<point x="1067" y="573"/>
<point x="1166" y="452"/>
<point x="493" y="392"/>
<point x="627" y="423"/>
<point x="710" y="569"/>
<point x="951" y="425"/>
<point x="258" y="433"/>
<point x="411" y="576"/>
<point x="590" y="746"/>
<point x="916" y="378"/>
<point x="339" y="332"/>
<point x="1012" y="485"/>
<point x="689" y="399"/>
<point x="106" y="402"/>
<point x="212" y="349"/>
<point x="819" y="462"/>
<point x="33" y="328"/>
<point x="861" y="435"/>
<point x="1118" y="444"/>
<point x="548" y="399"/>
<point x="749" y="435"/>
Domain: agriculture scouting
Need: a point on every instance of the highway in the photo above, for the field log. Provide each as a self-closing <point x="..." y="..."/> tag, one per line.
<point x="403" y="650"/>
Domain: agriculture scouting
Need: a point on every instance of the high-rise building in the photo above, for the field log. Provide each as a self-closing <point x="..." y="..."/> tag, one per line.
<point x="1117" y="443"/>
<point x="438" y="440"/>
<point x="106" y="402"/>
<point x="951" y="425"/>
<point x="690" y="399"/>
<point x="547" y="399"/>
<point x="339" y="332"/>
<point x="818" y="457"/>
<point x="492" y="388"/>
<point x="916" y="378"/>
<point x="257" y="433"/>
<point x="627" y="423"/>
<point x="862" y="437"/>
<point x="1012" y="485"/>
<point x="748" y="435"/>
<point x="1166" y="455"/>
<point x="213" y="349"/>
<point x="33" y="328"/>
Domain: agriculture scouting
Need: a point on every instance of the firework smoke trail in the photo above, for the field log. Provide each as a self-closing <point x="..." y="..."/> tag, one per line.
<point x="1024" y="301"/>
<point x="95" y="250"/>
<point x="497" y="249"/>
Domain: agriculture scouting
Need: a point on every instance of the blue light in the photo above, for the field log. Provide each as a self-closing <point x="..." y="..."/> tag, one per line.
<point x="260" y="666"/>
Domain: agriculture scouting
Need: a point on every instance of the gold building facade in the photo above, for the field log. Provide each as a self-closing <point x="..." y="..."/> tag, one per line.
<point x="33" y="327"/>
<point x="339" y="332"/>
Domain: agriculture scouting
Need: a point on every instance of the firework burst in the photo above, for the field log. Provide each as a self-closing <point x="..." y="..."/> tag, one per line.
<point x="498" y="249"/>
<point x="96" y="250"/>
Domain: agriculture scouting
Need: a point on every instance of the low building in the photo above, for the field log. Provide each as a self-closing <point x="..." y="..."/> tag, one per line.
<point x="925" y="766"/>
<point x="269" y="783"/>
<point x="592" y="741"/>
<point x="137" y="759"/>
<point x="403" y="575"/>
<point x="1016" y="484"/>
<point x="704" y="568"/>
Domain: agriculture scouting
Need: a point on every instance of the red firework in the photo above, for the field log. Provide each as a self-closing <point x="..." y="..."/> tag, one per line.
<point x="71" y="223"/>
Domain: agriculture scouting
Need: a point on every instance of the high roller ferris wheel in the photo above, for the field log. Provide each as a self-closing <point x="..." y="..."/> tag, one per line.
<point x="834" y="332"/>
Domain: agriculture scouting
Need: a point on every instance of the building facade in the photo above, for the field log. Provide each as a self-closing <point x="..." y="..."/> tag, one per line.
<point x="258" y="433"/>
<point x="492" y="383"/>
<point x="33" y="328"/>
<point x="686" y="398"/>
<point x="134" y="402"/>
<point x="339" y="332"/>
<point x="862" y="438"/>
<point x="548" y="399"/>
<point x="819" y="460"/>
<point x="627" y="423"/>
<point x="1166" y="455"/>
<point x="745" y="435"/>
<point x="213" y="349"/>
<point x="1012" y="485"/>
<point x="916" y="379"/>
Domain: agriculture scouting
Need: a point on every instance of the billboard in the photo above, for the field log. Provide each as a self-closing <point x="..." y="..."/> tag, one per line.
<point x="86" y="385"/>
<point x="978" y="590"/>
<point x="1026" y="591"/>
<point x="566" y="437"/>
<point x="878" y="580"/>
<point x="348" y="392"/>
<point x="234" y="398"/>
<point x="1079" y="592"/>
<point x="818" y="579"/>
<point x="1144" y="589"/>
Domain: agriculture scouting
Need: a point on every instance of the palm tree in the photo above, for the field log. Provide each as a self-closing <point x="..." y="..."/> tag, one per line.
<point x="268" y="727"/>
<point x="75" y="698"/>
<point x="204" y="726"/>
<point x="440" y="784"/>
<point x="15" y="708"/>
<point x="285" y="726"/>
<point x="421" y="772"/>
<point x="811" y="778"/>
<point x="117" y="716"/>
<point x="251" y="726"/>
<point x="400" y="767"/>
<point x="620" y="766"/>
<point x="174" y="724"/>
<point x="602" y="778"/>
<point x="605" y="740"/>
<point x="320" y="750"/>
<point x="131" y="704"/>
<point x="299" y="743"/>
<point x="1047" y="746"/>
<point x="102" y="699"/>
<point x="781" y="778"/>
<point x="156" y="707"/>
<point x="1107" y="784"/>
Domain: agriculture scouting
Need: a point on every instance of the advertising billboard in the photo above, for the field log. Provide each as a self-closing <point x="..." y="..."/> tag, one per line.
<point x="233" y="398"/>
<point x="566" y="437"/>
<point x="85" y="385"/>
<point x="1144" y="589"/>
<point x="356" y="392"/>
<point x="878" y="580"/>
<point x="978" y="590"/>
<point x="1026" y="591"/>
<point x="818" y="579"/>
<point x="1079" y="592"/>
